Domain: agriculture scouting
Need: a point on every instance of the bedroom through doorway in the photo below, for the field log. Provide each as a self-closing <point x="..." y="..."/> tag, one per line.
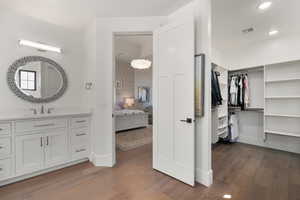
<point x="133" y="108"/>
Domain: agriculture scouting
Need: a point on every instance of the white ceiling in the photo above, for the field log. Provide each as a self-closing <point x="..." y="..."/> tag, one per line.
<point x="128" y="47"/>
<point x="76" y="13"/>
<point x="231" y="16"/>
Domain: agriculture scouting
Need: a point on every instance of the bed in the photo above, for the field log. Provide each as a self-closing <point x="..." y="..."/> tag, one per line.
<point x="130" y="119"/>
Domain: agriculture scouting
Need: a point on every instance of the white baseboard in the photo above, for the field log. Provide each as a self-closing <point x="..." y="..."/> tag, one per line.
<point x="102" y="160"/>
<point x="204" y="177"/>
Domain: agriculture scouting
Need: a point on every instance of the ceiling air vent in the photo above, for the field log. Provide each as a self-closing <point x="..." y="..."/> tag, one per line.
<point x="248" y="30"/>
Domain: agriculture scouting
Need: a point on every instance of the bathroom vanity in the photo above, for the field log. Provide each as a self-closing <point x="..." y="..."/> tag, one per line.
<point x="44" y="139"/>
<point x="32" y="145"/>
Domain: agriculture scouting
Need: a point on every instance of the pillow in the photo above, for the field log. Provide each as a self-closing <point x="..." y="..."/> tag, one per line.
<point x="119" y="106"/>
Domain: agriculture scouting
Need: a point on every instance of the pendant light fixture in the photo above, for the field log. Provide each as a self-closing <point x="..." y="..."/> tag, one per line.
<point x="141" y="64"/>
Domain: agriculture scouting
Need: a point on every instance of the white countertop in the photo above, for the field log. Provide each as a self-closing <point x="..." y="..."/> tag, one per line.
<point x="22" y="116"/>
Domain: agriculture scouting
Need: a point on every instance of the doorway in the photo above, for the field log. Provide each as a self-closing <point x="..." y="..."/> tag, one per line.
<point x="133" y="109"/>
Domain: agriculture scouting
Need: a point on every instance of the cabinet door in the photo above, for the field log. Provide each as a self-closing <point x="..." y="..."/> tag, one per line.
<point x="29" y="153"/>
<point x="56" y="147"/>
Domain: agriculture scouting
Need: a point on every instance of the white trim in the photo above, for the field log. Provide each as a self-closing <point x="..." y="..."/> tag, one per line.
<point x="27" y="176"/>
<point x="204" y="177"/>
<point x="102" y="160"/>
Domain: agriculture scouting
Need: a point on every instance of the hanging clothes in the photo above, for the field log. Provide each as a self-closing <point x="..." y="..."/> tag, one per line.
<point x="233" y="127"/>
<point x="246" y="92"/>
<point x="239" y="91"/>
<point x="233" y="91"/>
<point x="215" y="89"/>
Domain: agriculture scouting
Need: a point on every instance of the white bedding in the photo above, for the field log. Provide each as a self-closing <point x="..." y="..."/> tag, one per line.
<point x="130" y="119"/>
<point x="128" y="112"/>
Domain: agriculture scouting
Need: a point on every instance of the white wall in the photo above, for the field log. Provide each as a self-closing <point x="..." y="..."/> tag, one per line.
<point x="201" y="10"/>
<point x="15" y="27"/>
<point x="126" y="75"/>
<point x="275" y="50"/>
<point x="99" y="39"/>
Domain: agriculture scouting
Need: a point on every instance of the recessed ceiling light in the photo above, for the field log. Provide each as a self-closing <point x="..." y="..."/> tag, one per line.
<point x="273" y="32"/>
<point x="227" y="196"/>
<point x="265" y="5"/>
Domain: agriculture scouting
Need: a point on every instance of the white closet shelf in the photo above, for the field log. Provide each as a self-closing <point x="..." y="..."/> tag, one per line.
<point x="282" y="80"/>
<point x="222" y="127"/>
<point x="280" y="115"/>
<point x="222" y="116"/>
<point x="283" y="133"/>
<point x="282" y="97"/>
<point x="222" y="132"/>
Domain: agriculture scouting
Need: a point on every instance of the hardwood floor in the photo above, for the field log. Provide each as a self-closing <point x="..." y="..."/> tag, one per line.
<point x="246" y="172"/>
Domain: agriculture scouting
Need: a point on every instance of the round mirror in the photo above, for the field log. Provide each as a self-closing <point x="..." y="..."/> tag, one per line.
<point x="37" y="79"/>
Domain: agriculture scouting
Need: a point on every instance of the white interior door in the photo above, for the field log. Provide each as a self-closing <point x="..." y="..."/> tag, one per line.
<point x="174" y="129"/>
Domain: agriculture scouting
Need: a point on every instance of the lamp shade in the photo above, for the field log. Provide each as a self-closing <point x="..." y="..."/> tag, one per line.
<point x="141" y="64"/>
<point x="129" y="101"/>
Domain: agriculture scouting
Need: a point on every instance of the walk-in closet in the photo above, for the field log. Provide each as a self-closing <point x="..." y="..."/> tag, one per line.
<point x="260" y="106"/>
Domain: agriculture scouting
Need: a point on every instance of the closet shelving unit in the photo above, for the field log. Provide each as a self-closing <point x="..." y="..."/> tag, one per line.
<point x="223" y="109"/>
<point x="257" y="99"/>
<point x="220" y="113"/>
<point x="282" y="99"/>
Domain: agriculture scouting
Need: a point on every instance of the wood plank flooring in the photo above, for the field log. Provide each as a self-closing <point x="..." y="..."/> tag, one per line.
<point x="246" y="172"/>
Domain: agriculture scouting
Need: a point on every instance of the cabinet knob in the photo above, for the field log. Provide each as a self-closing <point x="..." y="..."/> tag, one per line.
<point x="80" y="150"/>
<point x="44" y="125"/>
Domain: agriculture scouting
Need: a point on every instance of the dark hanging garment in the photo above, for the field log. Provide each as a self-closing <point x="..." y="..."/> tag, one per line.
<point x="215" y="89"/>
<point x="239" y="91"/>
<point x="243" y="93"/>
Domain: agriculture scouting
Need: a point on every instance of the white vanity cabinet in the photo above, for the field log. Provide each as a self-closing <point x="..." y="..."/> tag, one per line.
<point x="56" y="148"/>
<point x="29" y="147"/>
<point x="29" y="153"/>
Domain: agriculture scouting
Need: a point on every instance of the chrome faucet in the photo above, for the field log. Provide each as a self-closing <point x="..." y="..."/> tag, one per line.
<point x="42" y="109"/>
<point x="50" y="110"/>
<point x="33" y="110"/>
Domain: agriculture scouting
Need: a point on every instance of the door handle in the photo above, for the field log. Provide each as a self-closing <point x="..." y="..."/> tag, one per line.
<point x="47" y="140"/>
<point x="187" y="120"/>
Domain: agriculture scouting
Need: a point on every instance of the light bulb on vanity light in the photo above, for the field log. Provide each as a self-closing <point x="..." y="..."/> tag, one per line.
<point x="39" y="46"/>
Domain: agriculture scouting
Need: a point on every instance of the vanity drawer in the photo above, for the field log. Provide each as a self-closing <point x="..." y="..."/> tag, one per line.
<point x="5" y="146"/>
<point x="80" y="151"/>
<point x="80" y="122"/>
<point x="5" y="168"/>
<point x="80" y="136"/>
<point x="5" y="129"/>
<point x="40" y="125"/>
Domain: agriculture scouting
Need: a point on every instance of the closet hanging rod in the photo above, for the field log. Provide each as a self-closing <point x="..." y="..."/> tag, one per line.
<point x="254" y="69"/>
<point x="237" y="74"/>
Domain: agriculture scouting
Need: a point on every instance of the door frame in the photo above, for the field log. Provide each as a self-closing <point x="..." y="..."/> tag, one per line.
<point x="129" y="33"/>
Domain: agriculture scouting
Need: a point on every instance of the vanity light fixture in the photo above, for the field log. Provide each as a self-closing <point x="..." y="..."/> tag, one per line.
<point x="39" y="46"/>
<point x="273" y="32"/>
<point x="265" y="5"/>
<point x="141" y="64"/>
